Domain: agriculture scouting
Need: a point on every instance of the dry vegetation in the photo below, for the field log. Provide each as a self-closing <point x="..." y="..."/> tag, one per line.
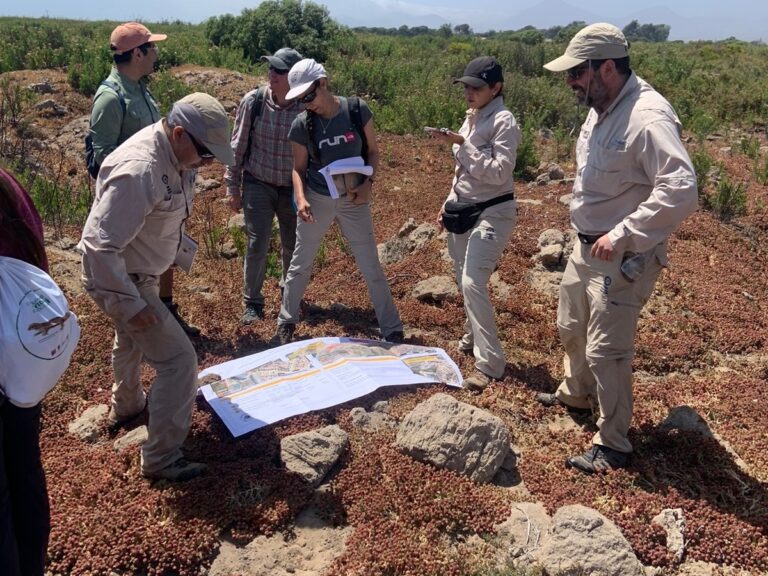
<point x="701" y="343"/>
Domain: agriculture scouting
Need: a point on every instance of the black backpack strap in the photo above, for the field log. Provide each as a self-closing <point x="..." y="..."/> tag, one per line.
<point x="115" y="87"/>
<point x="353" y="103"/>
<point x="312" y="149"/>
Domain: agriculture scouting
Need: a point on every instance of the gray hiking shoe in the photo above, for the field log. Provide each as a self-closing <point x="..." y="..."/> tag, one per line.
<point x="551" y="400"/>
<point x="180" y="471"/>
<point x="252" y="313"/>
<point x="598" y="459"/>
<point x="284" y="334"/>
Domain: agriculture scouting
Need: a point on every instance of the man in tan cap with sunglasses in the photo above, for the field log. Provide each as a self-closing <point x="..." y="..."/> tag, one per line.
<point x="634" y="185"/>
<point x="122" y="106"/>
<point x="132" y="235"/>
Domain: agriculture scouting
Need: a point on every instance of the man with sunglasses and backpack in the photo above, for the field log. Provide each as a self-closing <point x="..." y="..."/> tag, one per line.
<point x="634" y="185"/>
<point x="122" y="106"/>
<point x="260" y="180"/>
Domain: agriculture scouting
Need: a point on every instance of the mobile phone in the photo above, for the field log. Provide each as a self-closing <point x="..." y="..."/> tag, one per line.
<point x="433" y="129"/>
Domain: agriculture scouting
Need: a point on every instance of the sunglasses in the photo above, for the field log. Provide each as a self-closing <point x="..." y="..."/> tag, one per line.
<point x="278" y="71"/>
<point x="577" y="72"/>
<point x="201" y="150"/>
<point x="309" y="96"/>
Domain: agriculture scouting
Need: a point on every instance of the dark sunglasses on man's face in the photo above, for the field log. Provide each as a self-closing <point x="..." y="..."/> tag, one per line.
<point x="309" y="96"/>
<point x="201" y="150"/>
<point x="576" y="72"/>
<point x="278" y="71"/>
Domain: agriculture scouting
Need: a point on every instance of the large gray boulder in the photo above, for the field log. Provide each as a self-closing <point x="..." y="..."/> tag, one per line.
<point x="436" y="289"/>
<point x="451" y="434"/>
<point x="583" y="541"/>
<point x="312" y="454"/>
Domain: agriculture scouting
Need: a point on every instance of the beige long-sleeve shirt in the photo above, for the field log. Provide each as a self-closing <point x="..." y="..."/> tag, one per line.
<point x="485" y="162"/>
<point x="135" y="224"/>
<point x="634" y="178"/>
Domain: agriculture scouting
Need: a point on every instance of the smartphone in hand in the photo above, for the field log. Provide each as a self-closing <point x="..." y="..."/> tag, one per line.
<point x="432" y="130"/>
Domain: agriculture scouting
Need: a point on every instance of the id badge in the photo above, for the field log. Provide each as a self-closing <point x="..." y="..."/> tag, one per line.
<point x="186" y="253"/>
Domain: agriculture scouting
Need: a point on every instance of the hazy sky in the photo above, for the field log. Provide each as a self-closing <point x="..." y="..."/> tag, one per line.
<point x="689" y="19"/>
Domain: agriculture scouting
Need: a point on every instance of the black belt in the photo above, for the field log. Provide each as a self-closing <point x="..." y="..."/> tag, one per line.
<point x="589" y="238"/>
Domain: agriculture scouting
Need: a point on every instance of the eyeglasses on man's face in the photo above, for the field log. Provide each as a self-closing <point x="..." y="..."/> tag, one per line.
<point x="278" y="71"/>
<point x="201" y="150"/>
<point x="309" y="96"/>
<point x="577" y="71"/>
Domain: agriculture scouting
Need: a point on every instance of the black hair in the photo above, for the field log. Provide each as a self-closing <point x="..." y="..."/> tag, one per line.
<point x="622" y="64"/>
<point x="27" y="245"/>
<point x="500" y="92"/>
<point x="126" y="56"/>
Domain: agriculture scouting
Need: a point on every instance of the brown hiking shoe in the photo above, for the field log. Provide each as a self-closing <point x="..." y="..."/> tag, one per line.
<point x="115" y="420"/>
<point x="477" y="382"/>
<point x="189" y="329"/>
<point x="180" y="471"/>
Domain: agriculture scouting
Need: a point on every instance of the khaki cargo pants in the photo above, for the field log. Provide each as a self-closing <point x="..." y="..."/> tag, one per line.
<point x="357" y="227"/>
<point x="597" y="319"/>
<point x="475" y="255"/>
<point x="168" y="350"/>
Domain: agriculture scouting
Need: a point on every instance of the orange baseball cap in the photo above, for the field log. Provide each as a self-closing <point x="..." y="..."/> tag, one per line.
<point x="131" y="35"/>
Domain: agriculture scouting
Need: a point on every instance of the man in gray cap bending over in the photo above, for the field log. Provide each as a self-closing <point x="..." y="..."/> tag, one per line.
<point x="133" y="234"/>
<point x="634" y="185"/>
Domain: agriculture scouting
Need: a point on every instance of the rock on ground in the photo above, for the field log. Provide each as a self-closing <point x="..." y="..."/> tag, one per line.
<point x="311" y="550"/>
<point x="583" y="541"/>
<point x="86" y="426"/>
<point x="312" y="454"/>
<point x="451" y="434"/>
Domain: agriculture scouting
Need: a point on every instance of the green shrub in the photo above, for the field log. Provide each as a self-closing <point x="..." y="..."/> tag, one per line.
<point x="702" y="164"/>
<point x="728" y="201"/>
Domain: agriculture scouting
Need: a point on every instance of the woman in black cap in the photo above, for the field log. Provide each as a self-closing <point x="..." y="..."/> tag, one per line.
<point x="480" y="210"/>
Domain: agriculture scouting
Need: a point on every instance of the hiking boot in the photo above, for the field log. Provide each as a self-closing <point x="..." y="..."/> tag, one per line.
<point x="180" y="471"/>
<point x="252" y="313"/>
<point x="284" y="334"/>
<point x="598" y="459"/>
<point x="115" y="420"/>
<point x="396" y="337"/>
<point x="463" y="347"/>
<point x="189" y="329"/>
<point x="551" y="400"/>
<point x="477" y="382"/>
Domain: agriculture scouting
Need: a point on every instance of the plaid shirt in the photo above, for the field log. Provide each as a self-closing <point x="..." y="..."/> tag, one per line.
<point x="270" y="159"/>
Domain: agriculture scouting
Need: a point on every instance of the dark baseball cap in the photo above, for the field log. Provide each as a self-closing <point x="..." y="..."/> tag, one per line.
<point x="283" y="59"/>
<point x="481" y="71"/>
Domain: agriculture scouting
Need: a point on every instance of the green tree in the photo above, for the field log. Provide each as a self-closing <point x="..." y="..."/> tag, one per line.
<point x="634" y="31"/>
<point x="305" y="26"/>
<point x="463" y="29"/>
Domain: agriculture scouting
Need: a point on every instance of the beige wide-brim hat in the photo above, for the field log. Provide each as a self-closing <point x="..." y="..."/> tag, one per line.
<point x="206" y="120"/>
<point x="601" y="41"/>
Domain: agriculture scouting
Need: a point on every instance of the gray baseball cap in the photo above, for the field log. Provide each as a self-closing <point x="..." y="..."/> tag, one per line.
<point x="599" y="41"/>
<point x="283" y="59"/>
<point x="206" y="120"/>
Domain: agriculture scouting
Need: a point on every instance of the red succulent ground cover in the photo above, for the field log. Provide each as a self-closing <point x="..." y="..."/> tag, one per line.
<point x="701" y="343"/>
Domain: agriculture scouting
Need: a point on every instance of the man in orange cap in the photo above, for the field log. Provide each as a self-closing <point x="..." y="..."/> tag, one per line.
<point x="123" y="105"/>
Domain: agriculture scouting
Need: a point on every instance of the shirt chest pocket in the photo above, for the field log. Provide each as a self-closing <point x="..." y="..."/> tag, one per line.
<point x="606" y="172"/>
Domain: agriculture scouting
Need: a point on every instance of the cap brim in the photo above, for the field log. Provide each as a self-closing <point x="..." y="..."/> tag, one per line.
<point x="275" y="62"/>
<point x="294" y="93"/>
<point x="563" y="63"/>
<point x="157" y="37"/>
<point x="223" y="153"/>
<point x="471" y="81"/>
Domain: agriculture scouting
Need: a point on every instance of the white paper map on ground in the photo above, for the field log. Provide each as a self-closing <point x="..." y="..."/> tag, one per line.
<point x="307" y="375"/>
